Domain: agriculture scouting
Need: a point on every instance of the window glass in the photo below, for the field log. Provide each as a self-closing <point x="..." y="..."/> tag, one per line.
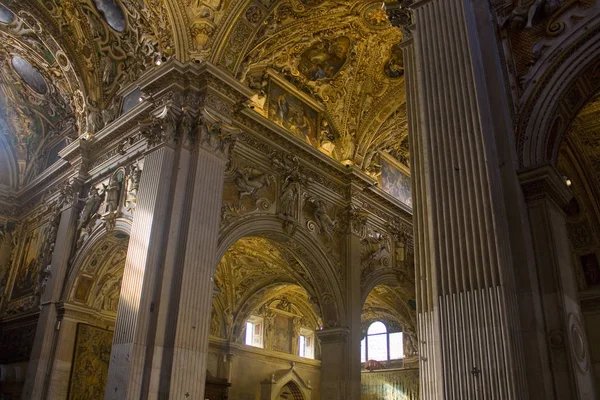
<point x="254" y="332"/>
<point x="249" y="330"/>
<point x="377" y="347"/>
<point x="396" y="346"/>
<point x="302" y="346"/>
<point x="376" y="327"/>
<point x="363" y="350"/>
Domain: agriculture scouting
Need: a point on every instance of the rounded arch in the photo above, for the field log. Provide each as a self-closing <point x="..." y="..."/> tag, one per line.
<point x="380" y="277"/>
<point x="307" y="252"/>
<point x="558" y="97"/>
<point x="122" y="227"/>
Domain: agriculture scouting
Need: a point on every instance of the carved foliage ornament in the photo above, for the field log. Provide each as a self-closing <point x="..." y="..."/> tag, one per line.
<point x="172" y="127"/>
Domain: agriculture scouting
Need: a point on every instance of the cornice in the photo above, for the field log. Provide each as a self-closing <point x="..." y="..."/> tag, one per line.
<point x="544" y="182"/>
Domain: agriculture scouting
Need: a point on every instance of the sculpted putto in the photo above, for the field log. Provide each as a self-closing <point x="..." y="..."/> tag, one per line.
<point x="249" y="181"/>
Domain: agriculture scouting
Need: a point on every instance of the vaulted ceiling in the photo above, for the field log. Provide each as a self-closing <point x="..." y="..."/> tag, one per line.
<point x="254" y="275"/>
<point x="343" y="55"/>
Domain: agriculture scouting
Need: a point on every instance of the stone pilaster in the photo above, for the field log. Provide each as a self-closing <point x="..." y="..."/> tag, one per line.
<point x="54" y="274"/>
<point x="354" y="305"/>
<point x="193" y="307"/>
<point x="144" y="258"/>
<point x="469" y="330"/>
<point x="334" y="359"/>
<point x="546" y="195"/>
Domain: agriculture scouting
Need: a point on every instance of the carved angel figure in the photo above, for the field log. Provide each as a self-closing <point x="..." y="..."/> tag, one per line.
<point x="91" y="206"/>
<point x="133" y="184"/>
<point x="249" y="181"/>
<point x="112" y="195"/>
<point x="326" y="224"/>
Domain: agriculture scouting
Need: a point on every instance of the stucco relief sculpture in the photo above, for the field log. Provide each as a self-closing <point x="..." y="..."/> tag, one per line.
<point x="250" y="181"/>
<point x="133" y="184"/>
<point x="89" y="213"/>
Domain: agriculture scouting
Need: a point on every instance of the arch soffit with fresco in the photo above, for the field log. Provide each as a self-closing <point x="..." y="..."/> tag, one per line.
<point x="117" y="237"/>
<point x="318" y="271"/>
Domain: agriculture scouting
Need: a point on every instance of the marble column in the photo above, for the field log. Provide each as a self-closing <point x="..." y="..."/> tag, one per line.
<point x="469" y="327"/>
<point x="150" y="225"/>
<point x="334" y="359"/>
<point x="42" y="353"/>
<point x="547" y="194"/>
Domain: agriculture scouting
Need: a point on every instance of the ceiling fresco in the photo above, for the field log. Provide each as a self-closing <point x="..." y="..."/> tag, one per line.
<point x="75" y="58"/>
<point x="342" y="54"/>
<point x="254" y="274"/>
<point x="63" y="64"/>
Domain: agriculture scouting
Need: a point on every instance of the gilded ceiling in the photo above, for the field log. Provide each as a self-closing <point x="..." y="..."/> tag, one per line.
<point x="253" y="276"/>
<point x="343" y="55"/>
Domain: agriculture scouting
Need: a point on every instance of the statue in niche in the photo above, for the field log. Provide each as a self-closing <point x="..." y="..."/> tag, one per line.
<point x="323" y="220"/>
<point x="91" y="206"/>
<point x="112" y="194"/>
<point x="228" y="322"/>
<point x="249" y="181"/>
<point x="289" y="198"/>
<point x="133" y="184"/>
<point x="410" y="343"/>
<point x="214" y="324"/>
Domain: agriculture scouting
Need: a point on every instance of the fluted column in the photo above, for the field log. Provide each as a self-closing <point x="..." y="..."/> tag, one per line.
<point x="194" y="306"/>
<point x="469" y="327"/>
<point x="547" y="194"/>
<point x="143" y="262"/>
<point x="60" y="240"/>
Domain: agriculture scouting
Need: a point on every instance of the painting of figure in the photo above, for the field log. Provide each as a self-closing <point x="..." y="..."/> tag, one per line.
<point x="28" y="270"/>
<point x="394" y="66"/>
<point x="396" y="182"/>
<point x="290" y="112"/>
<point x="282" y="338"/>
<point x="324" y="59"/>
<point x="591" y="269"/>
<point x="90" y="363"/>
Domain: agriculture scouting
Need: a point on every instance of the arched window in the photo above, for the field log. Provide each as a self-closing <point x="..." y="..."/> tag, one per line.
<point x="380" y="345"/>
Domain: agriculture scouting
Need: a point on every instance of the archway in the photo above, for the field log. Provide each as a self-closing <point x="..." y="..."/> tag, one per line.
<point x="264" y="316"/>
<point x="389" y="347"/>
<point x="88" y="316"/>
<point x="578" y="161"/>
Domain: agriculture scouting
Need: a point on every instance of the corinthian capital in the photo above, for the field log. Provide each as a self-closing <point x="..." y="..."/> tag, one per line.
<point x="215" y="135"/>
<point x="161" y="128"/>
